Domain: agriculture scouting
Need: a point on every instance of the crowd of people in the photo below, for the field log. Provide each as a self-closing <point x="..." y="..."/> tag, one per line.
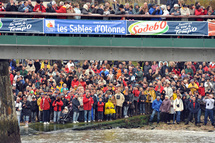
<point x="172" y="7"/>
<point x="48" y="91"/>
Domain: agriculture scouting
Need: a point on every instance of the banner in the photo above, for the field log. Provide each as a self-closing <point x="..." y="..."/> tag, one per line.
<point x="177" y="28"/>
<point x="211" y="28"/>
<point x="110" y="27"/>
<point x="21" y="25"/>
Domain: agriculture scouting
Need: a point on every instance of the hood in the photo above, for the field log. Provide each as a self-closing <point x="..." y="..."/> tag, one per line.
<point x="135" y="4"/>
<point x="85" y="6"/>
<point x="49" y="5"/>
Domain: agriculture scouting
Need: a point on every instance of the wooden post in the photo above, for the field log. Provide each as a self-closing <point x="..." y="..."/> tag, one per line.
<point x="9" y="129"/>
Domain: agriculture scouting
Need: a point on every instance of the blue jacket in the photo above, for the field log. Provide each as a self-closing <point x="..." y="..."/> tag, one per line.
<point x="106" y="73"/>
<point x="153" y="11"/>
<point x="156" y="105"/>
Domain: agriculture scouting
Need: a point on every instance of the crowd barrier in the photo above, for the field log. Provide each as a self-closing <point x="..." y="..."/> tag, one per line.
<point x="107" y="27"/>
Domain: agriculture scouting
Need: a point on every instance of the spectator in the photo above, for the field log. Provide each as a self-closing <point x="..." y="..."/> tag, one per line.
<point x="109" y="110"/>
<point x="171" y="3"/>
<point x="57" y="104"/>
<point x="209" y="109"/>
<point x="119" y="101"/>
<point x="175" y="11"/>
<point x="120" y="10"/>
<point x="34" y="108"/>
<point x="11" y="6"/>
<point x="26" y="110"/>
<point x="178" y="107"/>
<point x="165" y="108"/>
<point x="45" y="106"/>
<point x="30" y="67"/>
<point x="193" y="107"/>
<point x="18" y="106"/>
<point x="155" y="10"/>
<point x="61" y="9"/>
<point x="142" y="100"/>
<point x="88" y="103"/>
<point x="200" y="11"/>
<point x="127" y="8"/>
<point x="77" y="10"/>
<point x="25" y="7"/>
<point x="137" y="9"/>
<point x="192" y="9"/>
<point x="39" y="7"/>
<point x="100" y="108"/>
<point x="75" y="107"/>
<point x="156" y="109"/>
<point x="184" y="12"/>
<point x="85" y="9"/>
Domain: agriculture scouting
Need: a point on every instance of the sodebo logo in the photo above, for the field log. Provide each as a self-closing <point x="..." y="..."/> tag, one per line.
<point x="148" y="28"/>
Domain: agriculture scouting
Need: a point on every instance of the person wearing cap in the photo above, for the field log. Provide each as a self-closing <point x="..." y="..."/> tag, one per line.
<point x="45" y="106"/>
<point x="165" y="108"/>
<point x="156" y="104"/>
<point x="120" y="10"/>
<point x="34" y="108"/>
<point x="193" y="86"/>
<point x="175" y="11"/>
<point x="178" y="107"/>
<point x="209" y="101"/>
<point x="185" y="11"/>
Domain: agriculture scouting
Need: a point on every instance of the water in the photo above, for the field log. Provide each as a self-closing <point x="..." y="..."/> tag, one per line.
<point x="116" y="135"/>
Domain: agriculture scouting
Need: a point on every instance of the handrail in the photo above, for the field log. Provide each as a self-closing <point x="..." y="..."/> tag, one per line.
<point x="98" y="15"/>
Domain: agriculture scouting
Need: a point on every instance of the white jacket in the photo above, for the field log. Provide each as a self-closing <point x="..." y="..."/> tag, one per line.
<point x="180" y="103"/>
<point x="19" y="106"/>
<point x="169" y="91"/>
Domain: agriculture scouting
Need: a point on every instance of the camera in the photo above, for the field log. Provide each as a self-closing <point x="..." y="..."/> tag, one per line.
<point x="177" y="105"/>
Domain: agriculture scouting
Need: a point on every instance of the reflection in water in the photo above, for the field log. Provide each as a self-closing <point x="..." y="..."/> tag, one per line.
<point x="118" y="135"/>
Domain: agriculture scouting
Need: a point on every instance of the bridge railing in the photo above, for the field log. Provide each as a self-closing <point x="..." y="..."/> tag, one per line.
<point x="92" y="16"/>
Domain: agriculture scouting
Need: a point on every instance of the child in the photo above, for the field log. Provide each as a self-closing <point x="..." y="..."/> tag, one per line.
<point x="142" y="99"/>
<point x="64" y="112"/>
<point x="33" y="109"/>
<point x="174" y="94"/>
<point x="100" y="109"/>
<point x="109" y="110"/>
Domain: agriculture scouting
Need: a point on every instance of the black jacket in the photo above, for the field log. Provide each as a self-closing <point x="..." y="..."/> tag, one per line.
<point x="142" y="97"/>
<point x="34" y="106"/>
<point x="95" y="102"/>
<point x="126" y="100"/>
<point x="75" y="104"/>
<point x="192" y="109"/>
<point x="26" y="110"/>
<point x="65" y="103"/>
<point x="10" y="7"/>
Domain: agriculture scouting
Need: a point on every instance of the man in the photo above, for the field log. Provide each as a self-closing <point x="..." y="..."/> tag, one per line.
<point x="18" y="106"/>
<point x="193" y="107"/>
<point x="88" y="104"/>
<point x="189" y="70"/>
<point x="26" y="8"/>
<point x="165" y="107"/>
<point x="57" y="104"/>
<point x="62" y="9"/>
<point x="39" y="7"/>
<point x="137" y="9"/>
<point x="175" y="11"/>
<point x="209" y="101"/>
<point x="156" y="109"/>
<point x="75" y="107"/>
<point x="26" y="110"/>
<point x="155" y="10"/>
<point x="119" y="101"/>
<point x="11" y="6"/>
<point x="120" y="10"/>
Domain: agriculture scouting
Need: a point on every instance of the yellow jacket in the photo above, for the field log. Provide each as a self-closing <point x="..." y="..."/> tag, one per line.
<point x="193" y="89"/>
<point x="174" y="95"/>
<point x="43" y="65"/>
<point x="151" y="96"/>
<point x="38" y="103"/>
<point x="111" y="109"/>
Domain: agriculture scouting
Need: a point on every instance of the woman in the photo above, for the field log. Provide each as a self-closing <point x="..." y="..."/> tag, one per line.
<point x="18" y="106"/>
<point x="131" y="104"/>
<point x="154" y="66"/>
<point x="172" y="111"/>
<point x="178" y="108"/>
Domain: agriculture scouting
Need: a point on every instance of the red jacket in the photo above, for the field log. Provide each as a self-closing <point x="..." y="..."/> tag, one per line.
<point x="161" y="88"/>
<point x="100" y="107"/>
<point x="62" y="9"/>
<point x="75" y="82"/>
<point x="2" y="9"/>
<point x="45" y="103"/>
<point x="40" y="8"/>
<point x="83" y="83"/>
<point x="58" y="106"/>
<point x="201" y="91"/>
<point x="11" y="78"/>
<point x="87" y="103"/>
<point x="136" y="93"/>
<point x="199" y="12"/>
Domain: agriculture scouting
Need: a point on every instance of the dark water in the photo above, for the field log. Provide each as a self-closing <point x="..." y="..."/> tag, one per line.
<point x="116" y="135"/>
